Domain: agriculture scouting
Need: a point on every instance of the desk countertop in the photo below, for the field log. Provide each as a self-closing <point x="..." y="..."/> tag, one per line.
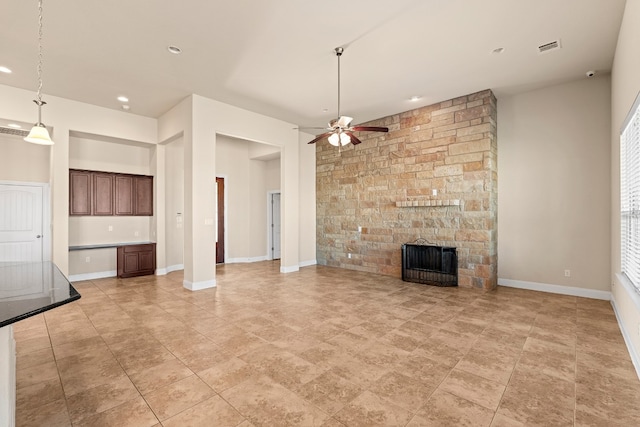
<point x="105" y="245"/>
<point x="27" y="289"/>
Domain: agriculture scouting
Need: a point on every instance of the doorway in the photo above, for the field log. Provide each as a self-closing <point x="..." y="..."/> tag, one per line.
<point x="23" y="220"/>
<point x="275" y="225"/>
<point x="220" y="228"/>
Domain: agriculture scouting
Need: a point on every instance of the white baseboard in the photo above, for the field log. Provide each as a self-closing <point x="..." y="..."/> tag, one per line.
<point x="308" y="263"/>
<point x="197" y="286"/>
<point x="635" y="358"/>
<point x="91" y="276"/>
<point x="245" y="260"/>
<point x="556" y="289"/>
<point x="291" y="269"/>
<point x="169" y="269"/>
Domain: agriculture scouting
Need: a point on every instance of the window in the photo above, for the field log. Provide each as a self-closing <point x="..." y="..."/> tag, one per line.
<point x="630" y="195"/>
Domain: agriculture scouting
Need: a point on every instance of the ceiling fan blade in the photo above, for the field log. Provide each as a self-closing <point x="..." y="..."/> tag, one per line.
<point x="319" y="137"/>
<point x="354" y="139"/>
<point x="370" y="129"/>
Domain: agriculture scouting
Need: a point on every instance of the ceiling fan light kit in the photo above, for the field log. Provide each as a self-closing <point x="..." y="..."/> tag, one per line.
<point x="340" y="131"/>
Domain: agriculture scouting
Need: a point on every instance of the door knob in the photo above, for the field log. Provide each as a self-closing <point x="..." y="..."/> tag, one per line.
<point x="38" y="236"/>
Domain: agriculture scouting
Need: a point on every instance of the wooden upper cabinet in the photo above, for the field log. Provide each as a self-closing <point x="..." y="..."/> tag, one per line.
<point x="143" y="195"/>
<point x="124" y="195"/>
<point x="79" y="192"/>
<point x="102" y="193"/>
<point x="105" y="193"/>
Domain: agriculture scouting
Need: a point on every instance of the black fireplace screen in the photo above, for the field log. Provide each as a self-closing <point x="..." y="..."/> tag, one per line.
<point x="433" y="265"/>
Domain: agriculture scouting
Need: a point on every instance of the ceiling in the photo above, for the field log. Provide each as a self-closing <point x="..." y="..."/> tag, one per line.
<point x="276" y="57"/>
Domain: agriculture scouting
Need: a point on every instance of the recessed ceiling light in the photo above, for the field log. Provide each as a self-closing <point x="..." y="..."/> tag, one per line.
<point x="4" y="69"/>
<point x="414" y="98"/>
<point x="498" y="50"/>
<point x="123" y="99"/>
<point x="15" y="126"/>
<point x="175" y="50"/>
<point x="125" y="107"/>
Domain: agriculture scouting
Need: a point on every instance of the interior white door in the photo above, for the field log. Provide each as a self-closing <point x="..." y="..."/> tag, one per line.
<point x="21" y="229"/>
<point x="275" y="225"/>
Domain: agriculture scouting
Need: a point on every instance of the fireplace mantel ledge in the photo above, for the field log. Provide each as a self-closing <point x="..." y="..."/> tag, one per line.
<point x="427" y="203"/>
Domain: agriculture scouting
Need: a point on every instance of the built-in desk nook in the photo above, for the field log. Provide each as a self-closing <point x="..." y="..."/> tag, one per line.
<point x="26" y="289"/>
<point x="133" y="258"/>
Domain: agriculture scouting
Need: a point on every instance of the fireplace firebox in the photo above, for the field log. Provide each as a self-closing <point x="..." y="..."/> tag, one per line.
<point x="429" y="264"/>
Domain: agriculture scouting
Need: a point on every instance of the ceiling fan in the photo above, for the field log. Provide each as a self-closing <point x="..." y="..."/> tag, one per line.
<point x="340" y="131"/>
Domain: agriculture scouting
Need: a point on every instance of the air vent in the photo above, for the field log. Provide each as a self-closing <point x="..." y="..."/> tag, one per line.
<point x="11" y="131"/>
<point x="548" y="47"/>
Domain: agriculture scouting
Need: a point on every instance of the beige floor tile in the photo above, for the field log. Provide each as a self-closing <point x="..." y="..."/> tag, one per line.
<point x="445" y="409"/>
<point x="618" y="405"/>
<point x="227" y="374"/>
<point x="34" y="358"/>
<point x="133" y="413"/>
<point x="39" y="394"/>
<point x="537" y="399"/>
<point x="100" y="398"/>
<point x="492" y="363"/>
<point x="324" y="346"/>
<point x="160" y="375"/>
<point x="286" y="368"/>
<point x="52" y="414"/>
<point x="369" y="409"/>
<point x="266" y="403"/>
<point x="473" y="388"/>
<point x="212" y="412"/>
<point x="329" y="392"/>
<point x="36" y="374"/>
<point x="500" y="420"/>
<point x="174" y="398"/>
<point x="406" y="392"/>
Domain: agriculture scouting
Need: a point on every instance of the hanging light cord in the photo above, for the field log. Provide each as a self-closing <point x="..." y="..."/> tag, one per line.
<point x="40" y="56"/>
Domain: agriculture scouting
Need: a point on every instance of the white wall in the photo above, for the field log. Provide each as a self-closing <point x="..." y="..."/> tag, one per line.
<point x="174" y="204"/>
<point x="553" y="185"/>
<point x="22" y="161"/>
<point x="307" y="202"/>
<point x="625" y="88"/>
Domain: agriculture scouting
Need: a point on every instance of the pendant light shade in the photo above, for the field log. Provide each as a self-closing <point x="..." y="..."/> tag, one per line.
<point x="39" y="133"/>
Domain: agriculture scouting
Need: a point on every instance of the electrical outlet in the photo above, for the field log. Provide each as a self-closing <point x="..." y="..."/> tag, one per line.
<point x="567" y="273"/>
<point x="434" y="192"/>
<point x="87" y="259"/>
<point x="111" y="228"/>
<point x="359" y="229"/>
<point x="136" y="233"/>
<point x="349" y="256"/>
<point x="638" y="328"/>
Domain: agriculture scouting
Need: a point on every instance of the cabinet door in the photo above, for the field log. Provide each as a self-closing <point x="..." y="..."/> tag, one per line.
<point x="143" y="195"/>
<point x="136" y="260"/>
<point x="79" y="192"/>
<point x="124" y="195"/>
<point x="102" y="193"/>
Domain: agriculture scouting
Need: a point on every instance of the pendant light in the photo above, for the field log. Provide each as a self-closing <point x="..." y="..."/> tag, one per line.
<point x="39" y="133"/>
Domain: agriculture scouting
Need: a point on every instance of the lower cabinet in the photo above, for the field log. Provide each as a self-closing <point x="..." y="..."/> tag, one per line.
<point x="136" y="260"/>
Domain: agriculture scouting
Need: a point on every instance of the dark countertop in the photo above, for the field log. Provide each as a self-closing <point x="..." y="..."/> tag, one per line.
<point x="105" y="245"/>
<point x="27" y="289"/>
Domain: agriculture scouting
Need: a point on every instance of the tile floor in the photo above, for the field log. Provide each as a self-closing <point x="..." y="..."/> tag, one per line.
<point x="321" y="347"/>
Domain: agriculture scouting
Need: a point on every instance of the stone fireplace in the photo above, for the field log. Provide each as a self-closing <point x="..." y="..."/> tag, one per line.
<point x="432" y="177"/>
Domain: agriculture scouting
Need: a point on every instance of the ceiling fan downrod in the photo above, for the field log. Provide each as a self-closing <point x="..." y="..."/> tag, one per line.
<point x="339" y="51"/>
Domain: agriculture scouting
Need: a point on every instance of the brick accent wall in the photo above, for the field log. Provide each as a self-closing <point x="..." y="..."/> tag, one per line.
<point x="385" y="186"/>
